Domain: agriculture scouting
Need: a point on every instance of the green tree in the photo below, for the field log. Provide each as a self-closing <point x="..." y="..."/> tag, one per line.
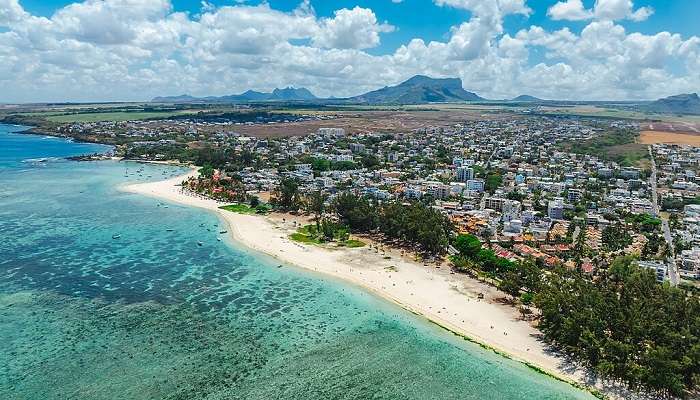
<point x="355" y="212"/>
<point x="287" y="196"/>
<point x="207" y="171"/>
<point x="510" y="283"/>
<point x="467" y="245"/>
<point x="316" y="204"/>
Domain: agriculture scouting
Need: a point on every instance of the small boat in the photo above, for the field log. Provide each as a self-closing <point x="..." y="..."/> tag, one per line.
<point x="223" y="232"/>
<point x="200" y="244"/>
<point x="116" y="236"/>
<point x="218" y="239"/>
<point x="170" y="230"/>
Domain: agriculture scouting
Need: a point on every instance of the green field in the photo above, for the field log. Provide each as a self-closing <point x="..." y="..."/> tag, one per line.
<point x="111" y="116"/>
<point x="307" y="234"/>
<point x="240" y="209"/>
<point x="619" y="145"/>
<point x="605" y="112"/>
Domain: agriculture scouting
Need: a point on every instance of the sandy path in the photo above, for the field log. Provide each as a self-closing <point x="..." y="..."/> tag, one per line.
<point x="447" y="299"/>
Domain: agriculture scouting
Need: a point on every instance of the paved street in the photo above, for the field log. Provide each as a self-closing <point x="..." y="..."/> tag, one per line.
<point x="673" y="274"/>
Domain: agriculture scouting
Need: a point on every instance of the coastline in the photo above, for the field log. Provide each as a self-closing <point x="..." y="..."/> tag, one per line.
<point x="448" y="300"/>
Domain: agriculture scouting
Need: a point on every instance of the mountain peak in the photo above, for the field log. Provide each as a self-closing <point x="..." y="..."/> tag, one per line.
<point x="290" y="93"/>
<point x="684" y="97"/>
<point x="422" y="80"/>
<point x="286" y="94"/>
<point x="526" y="98"/>
<point x="420" y="89"/>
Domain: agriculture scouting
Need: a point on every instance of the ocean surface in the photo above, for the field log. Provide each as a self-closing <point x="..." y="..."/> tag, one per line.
<point x="107" y="295"/>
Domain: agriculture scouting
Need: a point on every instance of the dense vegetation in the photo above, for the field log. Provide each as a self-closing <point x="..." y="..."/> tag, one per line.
<point x="623" y="325"/>
<point x="618" y="145"/>
<point x="414" y="225"/>
<point x="238" y="117"/>
<point x="669" y="204"/>
<point x="616" y="237"/>
<point x="626" y="327"/>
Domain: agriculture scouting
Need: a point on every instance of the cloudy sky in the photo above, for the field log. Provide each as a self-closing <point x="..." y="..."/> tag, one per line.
<point x="114" y="50"/>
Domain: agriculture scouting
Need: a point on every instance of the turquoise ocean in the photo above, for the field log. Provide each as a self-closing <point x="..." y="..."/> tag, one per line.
<point x="107" y="295"/>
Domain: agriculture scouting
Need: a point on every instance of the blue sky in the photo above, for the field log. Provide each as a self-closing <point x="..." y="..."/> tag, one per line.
<point x="128" y="50"/>
<point x="423" y="19"/>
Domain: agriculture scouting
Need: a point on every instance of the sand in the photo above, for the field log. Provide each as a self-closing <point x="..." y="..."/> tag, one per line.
<point x="450" y="300"/>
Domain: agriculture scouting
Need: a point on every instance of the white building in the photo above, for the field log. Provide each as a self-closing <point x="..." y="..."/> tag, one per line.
<point x="465" y="174"/>
<point x="335" y="132"/>
<point x="660" y="269"/>
<point x="575" y="195"/>
<point x="343" y="157"/>
<point x="437" y="190"/>
<point x="511" y="210"/>
<point x="555" y="209"/>
<point x="476" y="185"/>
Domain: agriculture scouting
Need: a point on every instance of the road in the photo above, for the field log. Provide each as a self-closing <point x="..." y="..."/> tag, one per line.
<point x="673" y="274"/>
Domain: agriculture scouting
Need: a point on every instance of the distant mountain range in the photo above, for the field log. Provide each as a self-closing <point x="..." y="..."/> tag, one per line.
<point x="287" y="94"/>
<point x="680" y="104"/>
<point x="417" y="90"/>
<point x="422" y="89"/>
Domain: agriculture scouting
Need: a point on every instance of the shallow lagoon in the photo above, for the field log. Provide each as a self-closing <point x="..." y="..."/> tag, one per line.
<point x="152" y="315"/>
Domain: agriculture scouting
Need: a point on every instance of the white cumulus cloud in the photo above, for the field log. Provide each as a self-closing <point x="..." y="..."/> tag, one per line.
<point x="570" y="10"/>
<point x="355" y="28"/>
<point x="612" y="10"/>
<point x="138" y="49"/>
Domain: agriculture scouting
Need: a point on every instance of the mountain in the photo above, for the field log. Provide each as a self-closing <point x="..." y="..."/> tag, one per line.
<point x="293" y="94"/>
<point x="680" y="104"/>
<point x="287" y="94"/>
<point x="523" y="98"/>
<point x="417" y="90"/>
<point x="185" y="98"/>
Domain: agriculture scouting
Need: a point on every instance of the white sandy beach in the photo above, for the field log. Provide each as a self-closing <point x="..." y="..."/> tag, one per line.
<point x="448" y="299"/>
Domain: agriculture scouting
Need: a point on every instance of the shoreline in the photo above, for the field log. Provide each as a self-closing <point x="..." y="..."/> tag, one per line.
<point x="445" y="299"/>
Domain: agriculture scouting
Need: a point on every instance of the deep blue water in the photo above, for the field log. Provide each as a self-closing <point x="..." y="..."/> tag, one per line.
<point x="19" y="150"/>
<point x="107" y="295"/>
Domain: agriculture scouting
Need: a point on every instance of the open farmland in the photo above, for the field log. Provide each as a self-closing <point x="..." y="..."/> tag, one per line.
<point x="690" y="125"/>
<point x="371" y="121"/>
<point x="659" y="137"/>
<point x="114" y="116"/>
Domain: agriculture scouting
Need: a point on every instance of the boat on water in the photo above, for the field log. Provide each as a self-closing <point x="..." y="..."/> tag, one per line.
<point x="223" y="232"/>
<point x="200" y="244"/>
<point x="116" y="236"/>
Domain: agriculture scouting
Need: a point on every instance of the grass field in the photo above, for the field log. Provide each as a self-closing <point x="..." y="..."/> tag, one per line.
<point x="117" y="116"/>
<point x="245" y="209"/>
<point x="621" y="146"/>
<point x="605" y="112"/>
<point x="306" y="235"/>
